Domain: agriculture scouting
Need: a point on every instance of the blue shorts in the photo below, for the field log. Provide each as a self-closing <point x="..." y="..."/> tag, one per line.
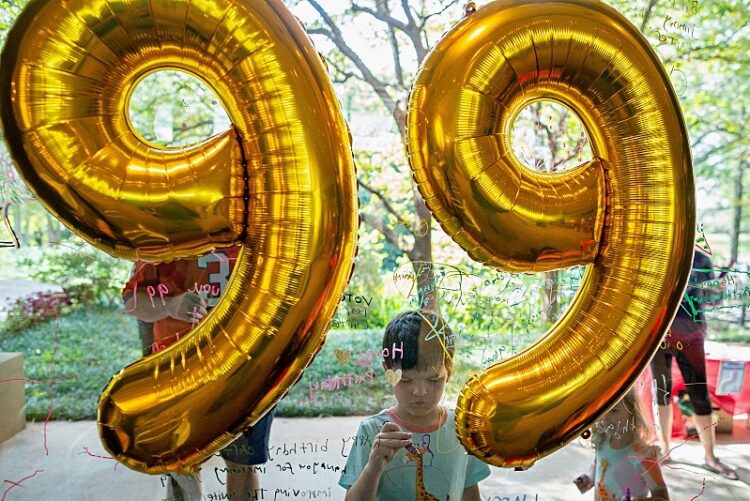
<point x="252" y="446"/>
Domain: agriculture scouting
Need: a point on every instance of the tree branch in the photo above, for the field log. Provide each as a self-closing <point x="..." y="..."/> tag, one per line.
<point x="396" y="58"/>
<point x="181" y="131"/>
<point x="423" y="20"/>
<point x="389" y="233"/>
<point x="576" y="152"/>
<point x="382" y="16"/>
<point x="411" y="30"/>
<point x="647" y="15"/>
<point x="319" y="31"/>
<point x="386" y="204"/>
<point x="383" y="7"/>
<point x="407" y="12"/>
<point x="341" y="71"/>
<point x="337" y="38"/>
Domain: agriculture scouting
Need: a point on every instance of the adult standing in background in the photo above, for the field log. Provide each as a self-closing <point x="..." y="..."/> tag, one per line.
<point x="689" y="329"/>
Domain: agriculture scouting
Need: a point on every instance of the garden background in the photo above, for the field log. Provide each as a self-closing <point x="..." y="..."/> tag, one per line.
<point x="78" y="333"/>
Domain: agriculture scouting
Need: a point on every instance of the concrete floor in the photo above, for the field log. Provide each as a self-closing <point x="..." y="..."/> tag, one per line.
<point x="69" y="469"/>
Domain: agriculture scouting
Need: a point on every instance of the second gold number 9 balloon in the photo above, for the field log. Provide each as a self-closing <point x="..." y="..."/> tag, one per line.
<point x="628" y="214"/>
<point x="281" y="184"/>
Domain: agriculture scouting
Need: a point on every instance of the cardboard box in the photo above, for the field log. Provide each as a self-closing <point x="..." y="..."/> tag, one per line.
<point x="12" y="410"/>
<point x="724" y="421"/>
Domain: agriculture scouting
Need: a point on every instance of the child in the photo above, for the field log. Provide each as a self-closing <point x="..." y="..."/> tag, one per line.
<point x="626" y="467"/>
<point x="410" y="451"/>
<point x="175" y="296"/>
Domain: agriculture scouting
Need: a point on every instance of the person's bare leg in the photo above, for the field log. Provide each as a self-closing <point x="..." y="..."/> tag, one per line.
<point x="190" y="485"/>
<point x="664" y="433"/>
<point x="252" y="481"/>
<point x="243" y="480"/>
<point x="707" y="435"/>
<point x="235" y="481"/>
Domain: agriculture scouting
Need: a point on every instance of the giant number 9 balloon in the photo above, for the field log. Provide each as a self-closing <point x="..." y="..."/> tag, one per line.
<point x="628" y="214"/>
<point x="281" y="184"/>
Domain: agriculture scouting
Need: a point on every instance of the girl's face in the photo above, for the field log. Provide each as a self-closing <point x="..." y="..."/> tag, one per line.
<point x="619" y="414"/>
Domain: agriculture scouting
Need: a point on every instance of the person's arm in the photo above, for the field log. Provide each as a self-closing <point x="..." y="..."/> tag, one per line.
<point x="187" y="306"/>
<point x="476" y="471"/>
<point x="585" y="481"/>
<point x="385" y="445"/>
<point x="149" y="300"/>
<point x="471" y="493"/>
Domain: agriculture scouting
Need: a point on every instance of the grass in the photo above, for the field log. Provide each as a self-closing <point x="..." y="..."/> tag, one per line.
<point x="84" y="349"/>
<point x="91" y="345"/>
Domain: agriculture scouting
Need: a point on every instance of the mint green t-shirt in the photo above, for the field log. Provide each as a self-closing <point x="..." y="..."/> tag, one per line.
<point x="447" y="468"/>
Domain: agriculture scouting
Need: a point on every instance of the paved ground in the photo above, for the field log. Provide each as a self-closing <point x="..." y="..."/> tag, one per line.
<point x="70" y="469"/>
<point x="66" y="462"/>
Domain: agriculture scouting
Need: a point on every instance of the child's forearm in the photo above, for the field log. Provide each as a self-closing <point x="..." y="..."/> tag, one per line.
<point x="471" y="493"/>
<point x="139" y="305"/>
<point x="592" y="470"/>
<point x="366" y="486"/>
<point x="187" y="307"/>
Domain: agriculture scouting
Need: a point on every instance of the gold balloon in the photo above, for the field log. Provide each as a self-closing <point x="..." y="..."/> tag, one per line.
<point x="281" y="184"/>
<point x="628" y="214"/>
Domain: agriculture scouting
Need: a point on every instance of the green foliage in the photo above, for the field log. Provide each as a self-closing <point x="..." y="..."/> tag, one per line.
<point x="704" y="47"/>
<point x="362" y="398"/>
<point x="328" y="386"/>
<point x="363" y="305"/>
<point x="91" y="345"/>
<point x="46" y="305"/>
<point x="173" y="108"/>
<point x="549" y="137"/>
<point x="83" y="349"/>
<point x="68" y="266"/>
<point x="12" y="189"/>
<point x="9" y="10"/>
<point x="722" y="332"/>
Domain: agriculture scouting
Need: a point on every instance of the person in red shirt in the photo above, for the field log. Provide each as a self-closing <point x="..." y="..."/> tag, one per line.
<point x="175" y="296"/>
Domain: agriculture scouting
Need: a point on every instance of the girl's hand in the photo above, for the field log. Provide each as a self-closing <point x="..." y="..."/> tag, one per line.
<point x="386" y="444"/>
<point x="584" y="483"/>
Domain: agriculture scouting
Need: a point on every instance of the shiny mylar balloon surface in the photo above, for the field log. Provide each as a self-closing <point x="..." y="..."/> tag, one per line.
<point x="281" y="184"/>
<point x="629" y="213"/>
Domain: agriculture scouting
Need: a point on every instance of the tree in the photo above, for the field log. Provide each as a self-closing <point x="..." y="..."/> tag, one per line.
<point x="701" y="45"/>
<point x="408" y="30"/>
<point x="704" y="47"/>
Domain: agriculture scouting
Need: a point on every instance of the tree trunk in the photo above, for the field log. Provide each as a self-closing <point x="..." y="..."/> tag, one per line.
<point x="23" y="225"/>
<point x="737" y="208"/>
<point x="734" y="245"/>
<point x="53" y="229"/>
<point x="421" y="258"/>
<point x="550" y="297"/>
